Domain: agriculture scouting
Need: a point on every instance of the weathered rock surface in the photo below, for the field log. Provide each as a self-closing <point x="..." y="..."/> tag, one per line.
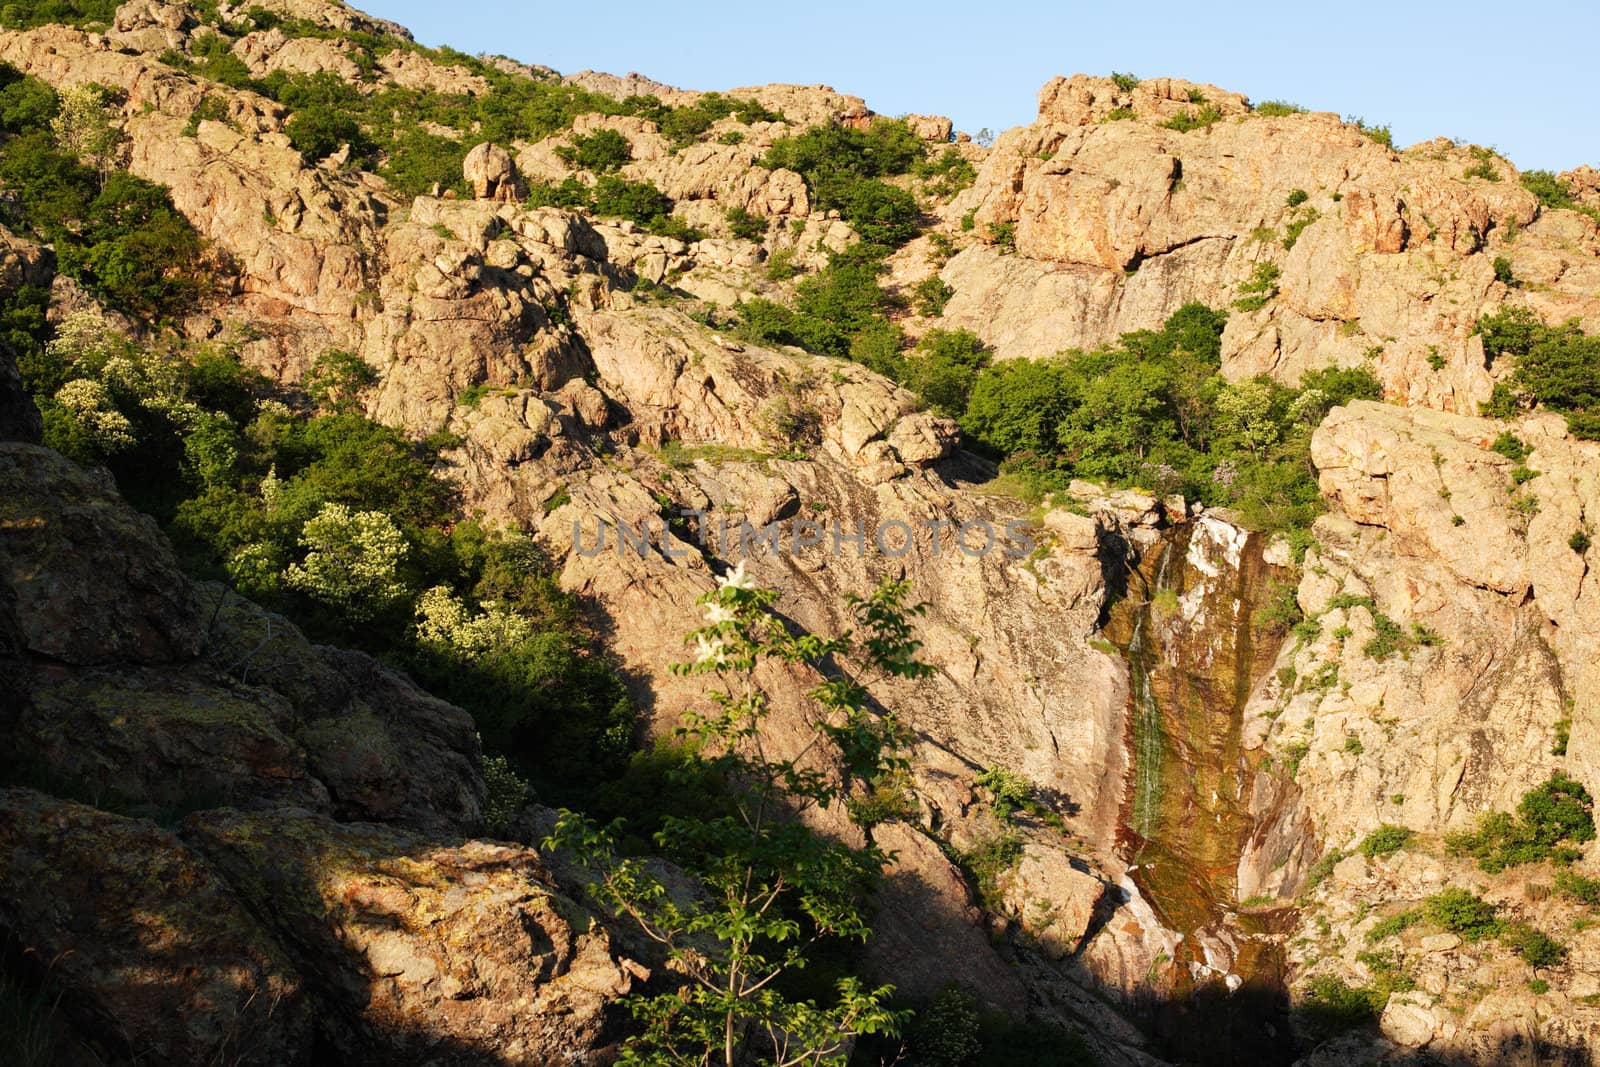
<point x="426" y="950"/>
<point x="1118" y="223"/>
<point x="157" y="692"/>
<point x="161" y="958"/>
<point x="588" y="400"/>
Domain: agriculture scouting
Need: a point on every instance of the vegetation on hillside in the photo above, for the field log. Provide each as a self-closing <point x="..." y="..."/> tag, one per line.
<point x="1557" y="367"/>
<point x="117" y="234"/>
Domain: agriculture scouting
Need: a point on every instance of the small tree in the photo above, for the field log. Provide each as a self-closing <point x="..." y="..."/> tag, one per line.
<point x="337" y="379"/>
<point x="772" y="887"/>
<point x="83" y="126"/>
<point x="352" y="561"/>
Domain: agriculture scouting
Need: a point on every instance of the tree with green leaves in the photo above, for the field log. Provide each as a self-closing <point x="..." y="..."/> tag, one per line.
<point x="772" y="888"/>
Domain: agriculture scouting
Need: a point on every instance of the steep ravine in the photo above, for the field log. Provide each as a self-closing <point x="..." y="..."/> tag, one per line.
<point x="1188" y="627"/>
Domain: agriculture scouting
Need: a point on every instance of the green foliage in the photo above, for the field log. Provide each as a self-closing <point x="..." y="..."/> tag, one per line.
<point x="1126" y="82"/>
<point x="616" y="197"/>
<point x="945" y="1031"/>
<point x="1537" y="948"/>
<point x="1463" y="913"/>
<point x="1380" y="134"/>
<point x="1550" y="818"/>
<point x="117" y="234"/>
<point x="66" y="12"/>
<point x="1189" y="121"/>
<point x="1274" y="109"/>
<point x="840" y="311"/>
<point x="1118" y="114"/>
<point x="1549" y="190"/>
<point x="1155" y="412"/>
<point x="1579" y="542"/>
<point x="1320" y="870"/>
<point x="1557" y="366"/>
<point x="1281" y="612"/>
<point x="843" y="169"/>
<point x="1503" y="272"/>
<point x="1261" y="288"/>
<point x="336" y="380"/>
<point x="601" y="151"/>
<point x="771" y="886"/>
<point x="1510" y="446"/>
<point x="1393" y="925"/>
<point x="944" y="369"/>
<point x="745" y="225"/>
<point x="1577" y="887"/>
<point x="319" y="131"/>
<point x="1009" y="791"/>
<point x="1330" y="1006"/>
<point x="1297" y="197"/>
<point x="989" y="859"/>
<point x="947" y="173"/>
<point x="1385" y="840"/>
<point x="509" y="792"/>
<point x="931" y="295"/>
<point x="1003" y="235"/>
<point x="1297" y="226"/>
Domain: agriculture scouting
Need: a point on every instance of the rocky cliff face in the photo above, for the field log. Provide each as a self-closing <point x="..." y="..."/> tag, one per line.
<point x="1193" y="761"/>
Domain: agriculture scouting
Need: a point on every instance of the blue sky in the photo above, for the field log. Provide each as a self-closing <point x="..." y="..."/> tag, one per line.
<point x="1518" y="77"/>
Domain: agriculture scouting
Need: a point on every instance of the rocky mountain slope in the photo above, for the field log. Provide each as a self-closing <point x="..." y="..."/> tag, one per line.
<point x="1205" y="754"/>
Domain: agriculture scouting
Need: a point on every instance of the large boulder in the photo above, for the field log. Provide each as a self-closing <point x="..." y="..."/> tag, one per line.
<point x="95" y="581"/>
<point x="492" y="173"/>
<point x="157" y="958"/>
<point x="427" y="951"/>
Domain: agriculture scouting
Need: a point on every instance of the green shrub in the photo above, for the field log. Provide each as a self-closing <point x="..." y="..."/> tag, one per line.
<point x="990" y="859"/>
<point x="1385" y="840"/>
<point x="1463" y="913"/>
<point x="1281" y="612"/>
<point x="1297" y="226"/>
<point x="1277" y="108"/>
<point x="1189" y="121"/>
<point x="1297" y="197"/>
<point x="1579" y="542"/>
<point x="946" y="366"/>
<point x="1009" y="791"/>
<point x="318" y="132"/>
<point x="1126" y="82"/>
<point x="945" y="1031"/>
<point x="1510" y="446"/>
<point x="602" y="151"/>
<point x="947" y="173"/>
<point x="1550" y="818"/>
<point x="1503" y="272"/>
<point x="1321" y="869"/>
<point x="1379" y="134"/>
<point x="1576" y="886"/>
<point x="336" y="380"/>
<point x="1536" y="948"/>
<point x="1549" y="190"/>
<point x="1119" y="114"/>
<point x="745" y="225"/>
<point x="1329" y="1006"/>
<point x="1393" y="925"/>
<point x="1261" y="288"/>
<point x="931" y="295"/>
<point x="842" y="168"/>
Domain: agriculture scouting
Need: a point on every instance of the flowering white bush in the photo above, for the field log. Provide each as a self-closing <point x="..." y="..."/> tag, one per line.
<point x="351" y="562"/>
<point x="91" y="407"/>
<point x="444" y="622"/>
